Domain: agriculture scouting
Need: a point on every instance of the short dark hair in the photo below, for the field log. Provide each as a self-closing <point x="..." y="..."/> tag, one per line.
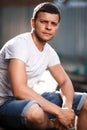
<point x="46" y="7"/>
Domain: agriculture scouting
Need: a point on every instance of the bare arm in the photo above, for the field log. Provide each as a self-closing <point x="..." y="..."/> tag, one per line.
<point x="18" y="80"/>
<point x="66" y="87"/>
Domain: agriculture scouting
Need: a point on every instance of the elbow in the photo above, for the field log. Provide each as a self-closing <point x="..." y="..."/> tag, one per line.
<point x="17" y="93"/>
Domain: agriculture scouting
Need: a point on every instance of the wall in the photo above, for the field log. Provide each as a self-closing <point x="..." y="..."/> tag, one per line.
<point x="71" y="39"/>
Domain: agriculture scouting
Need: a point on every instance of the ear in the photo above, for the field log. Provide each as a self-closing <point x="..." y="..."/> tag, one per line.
<point x="32" y="23"/>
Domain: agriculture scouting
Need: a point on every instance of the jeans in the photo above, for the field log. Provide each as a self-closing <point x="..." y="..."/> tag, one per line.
<point x="13" y="112"/>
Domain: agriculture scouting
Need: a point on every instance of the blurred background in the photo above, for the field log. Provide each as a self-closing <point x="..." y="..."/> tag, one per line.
<point x="70" y="41"/>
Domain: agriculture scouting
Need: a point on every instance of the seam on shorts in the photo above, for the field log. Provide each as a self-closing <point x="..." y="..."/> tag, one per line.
<point x="23" y="114"/>
<point x="84" y="96"/>
<point x="28" y="106"/>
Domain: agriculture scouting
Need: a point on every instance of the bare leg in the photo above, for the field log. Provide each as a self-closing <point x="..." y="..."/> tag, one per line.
<point x="82" y="119"/>
<point x="37" y="119"/>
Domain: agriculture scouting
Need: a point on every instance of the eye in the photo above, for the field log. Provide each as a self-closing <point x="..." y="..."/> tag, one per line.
<point x="43" y="21"/>
<point x="54" y="23"/>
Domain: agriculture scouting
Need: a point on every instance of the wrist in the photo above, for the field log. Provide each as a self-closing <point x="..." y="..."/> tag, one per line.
<point x="67" y="105"/>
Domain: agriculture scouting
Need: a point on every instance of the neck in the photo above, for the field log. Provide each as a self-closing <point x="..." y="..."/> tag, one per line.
<point x="39" y="44"/>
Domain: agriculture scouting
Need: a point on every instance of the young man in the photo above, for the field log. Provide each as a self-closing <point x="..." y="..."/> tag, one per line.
<point x="23" y="60"/>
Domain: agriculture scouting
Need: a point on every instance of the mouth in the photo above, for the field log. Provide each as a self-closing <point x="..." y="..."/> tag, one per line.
<point x="47" y="34"/>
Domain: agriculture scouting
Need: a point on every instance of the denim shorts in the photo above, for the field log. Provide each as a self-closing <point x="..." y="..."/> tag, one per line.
<point x="55" y="98"/>
<point x="13" y="112"/>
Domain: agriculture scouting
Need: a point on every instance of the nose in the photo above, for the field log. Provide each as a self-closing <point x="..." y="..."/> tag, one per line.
<point x="49" y="26"/>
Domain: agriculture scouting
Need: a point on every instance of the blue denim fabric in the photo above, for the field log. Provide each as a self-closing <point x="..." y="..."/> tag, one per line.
<point x="13" y="112"/>
<point x="55" y="98"/>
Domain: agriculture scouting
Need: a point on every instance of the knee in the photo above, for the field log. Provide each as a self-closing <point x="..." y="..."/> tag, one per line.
<point x="35" y="114"/>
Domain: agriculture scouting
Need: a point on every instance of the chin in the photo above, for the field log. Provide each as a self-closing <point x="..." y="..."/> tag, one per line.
<point x="47" y="39"/>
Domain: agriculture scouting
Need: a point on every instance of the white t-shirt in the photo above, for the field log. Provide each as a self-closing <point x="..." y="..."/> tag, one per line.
<point x="23" y="48"/>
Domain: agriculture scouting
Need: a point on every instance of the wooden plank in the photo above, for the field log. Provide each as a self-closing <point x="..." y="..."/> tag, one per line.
<point x="21" y="2"/>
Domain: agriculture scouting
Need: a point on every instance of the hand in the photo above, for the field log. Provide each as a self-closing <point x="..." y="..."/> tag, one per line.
<point x="66" y="117"/>
<point x="57" y="124"/>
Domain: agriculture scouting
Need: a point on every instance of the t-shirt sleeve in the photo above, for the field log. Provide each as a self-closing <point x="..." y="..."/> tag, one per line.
<point x="53" y="58"/>
<point x="16" y="49"/>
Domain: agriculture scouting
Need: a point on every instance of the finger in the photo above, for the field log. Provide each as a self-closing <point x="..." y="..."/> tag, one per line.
<point x="61" y="128"/>
<point x="70" y="126"/>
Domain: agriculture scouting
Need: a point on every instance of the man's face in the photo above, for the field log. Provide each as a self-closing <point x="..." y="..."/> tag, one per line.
<point x="45" y="26"/>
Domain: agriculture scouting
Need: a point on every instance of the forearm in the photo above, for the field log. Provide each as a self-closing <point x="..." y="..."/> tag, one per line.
<point x="67" y="94"/>
<point x="66" y="87"/>
<point x="64" y="116"/>
<point x="27" y="93"/>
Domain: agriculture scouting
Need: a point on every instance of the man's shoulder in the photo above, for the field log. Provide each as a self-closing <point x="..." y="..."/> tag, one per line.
<point x="23" y="35"/>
